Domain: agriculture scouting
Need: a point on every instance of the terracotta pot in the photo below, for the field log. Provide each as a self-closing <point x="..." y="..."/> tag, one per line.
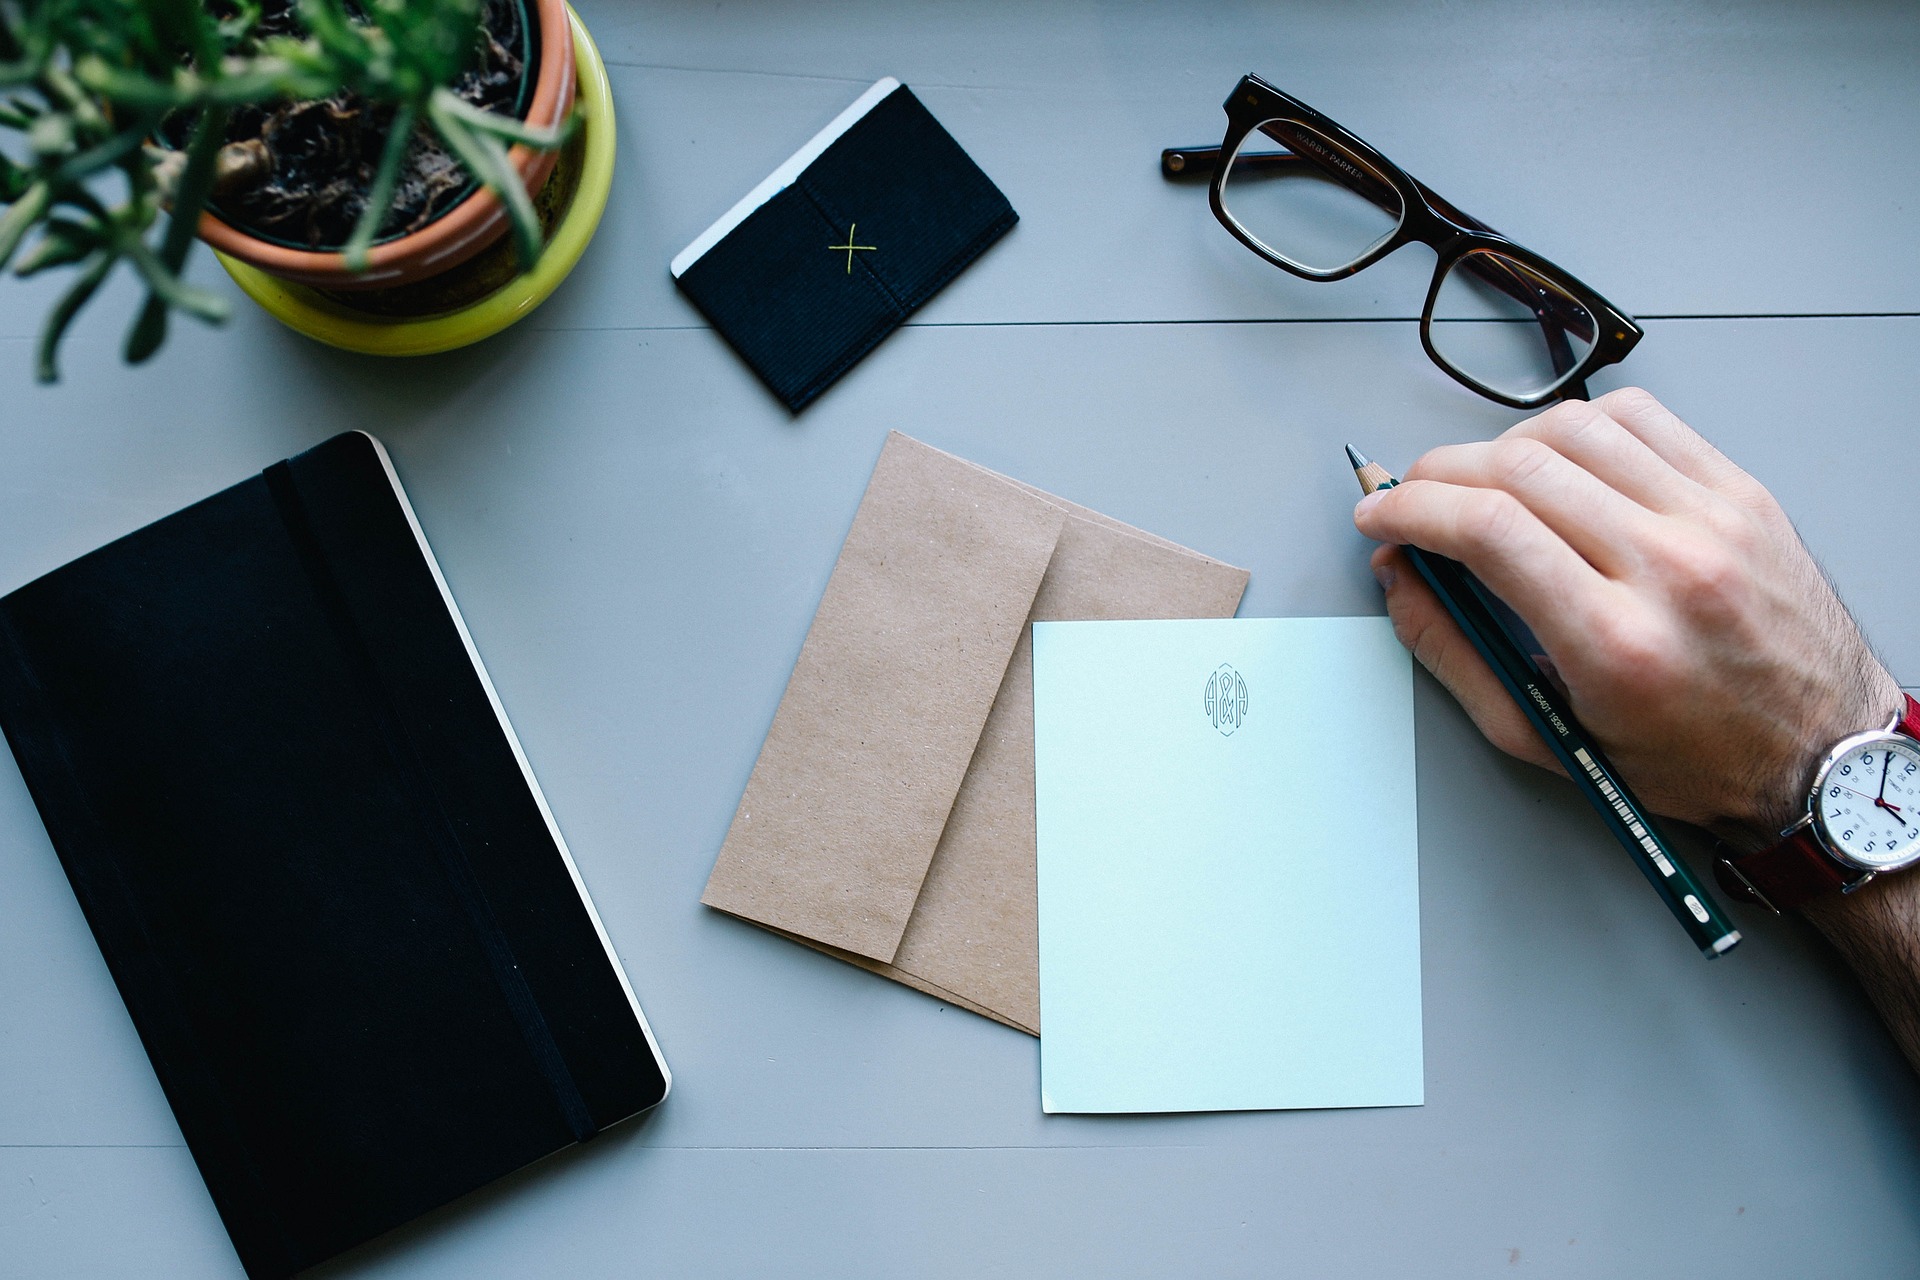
<point x="455" y="235"/>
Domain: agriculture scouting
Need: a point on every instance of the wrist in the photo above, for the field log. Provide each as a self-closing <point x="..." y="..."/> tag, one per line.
<point x="1839" y="843"/>
<point x="1871" y="701"/>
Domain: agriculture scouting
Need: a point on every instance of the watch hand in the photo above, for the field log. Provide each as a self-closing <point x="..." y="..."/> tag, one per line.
<point x="1878" y="802"/>
<point x="1886" y="763"/>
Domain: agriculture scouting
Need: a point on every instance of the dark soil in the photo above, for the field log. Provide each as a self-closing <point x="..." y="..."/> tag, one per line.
<point x="487" y="271"/>
<point x="323" y="154"/>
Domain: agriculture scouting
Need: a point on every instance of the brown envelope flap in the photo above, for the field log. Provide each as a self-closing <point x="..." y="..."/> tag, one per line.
<point x="974" y="933"/>
<point x="886" y="703"/>
<point x="1104" y="520"/>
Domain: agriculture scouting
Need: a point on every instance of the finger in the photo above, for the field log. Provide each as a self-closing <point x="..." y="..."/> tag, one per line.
<point x="1429" y="632"/>
<point x="1676" y="443"/>
<point x="1595" y="519"/>
<point x="1584" y="434"/>
<point x="1526" y="564"/>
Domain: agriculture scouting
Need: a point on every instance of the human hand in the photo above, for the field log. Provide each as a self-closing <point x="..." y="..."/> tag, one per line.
<point x="1693" y="634"/>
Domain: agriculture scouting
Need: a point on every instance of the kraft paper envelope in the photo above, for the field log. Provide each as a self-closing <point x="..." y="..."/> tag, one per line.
<point x="889" y="820"/>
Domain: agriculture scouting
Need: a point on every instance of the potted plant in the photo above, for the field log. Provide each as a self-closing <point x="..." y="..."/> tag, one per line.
<point x="385" y="164"/>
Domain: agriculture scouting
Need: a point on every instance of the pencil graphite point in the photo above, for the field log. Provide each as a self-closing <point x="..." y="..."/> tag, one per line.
<point x="1370" y="474"/>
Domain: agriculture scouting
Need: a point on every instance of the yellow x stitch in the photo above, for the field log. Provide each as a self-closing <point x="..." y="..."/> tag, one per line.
<point x="850" y="246"/>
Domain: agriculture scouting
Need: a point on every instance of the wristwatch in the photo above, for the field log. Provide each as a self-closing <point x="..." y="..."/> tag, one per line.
<point x="1862" y="821"/>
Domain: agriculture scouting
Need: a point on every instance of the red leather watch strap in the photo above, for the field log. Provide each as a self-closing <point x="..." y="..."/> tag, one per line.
<point x="1796" y="870"/>
<point x="1785" y="875"/>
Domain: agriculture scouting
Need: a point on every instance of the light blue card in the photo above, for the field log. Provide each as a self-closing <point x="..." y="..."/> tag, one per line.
<point x="1229" y="878"/>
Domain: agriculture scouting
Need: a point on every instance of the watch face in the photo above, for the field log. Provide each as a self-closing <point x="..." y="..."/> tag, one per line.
<point x="1868" y="806"/>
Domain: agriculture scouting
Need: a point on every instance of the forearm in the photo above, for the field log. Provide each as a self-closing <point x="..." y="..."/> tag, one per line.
<point x="1877" y="931"/>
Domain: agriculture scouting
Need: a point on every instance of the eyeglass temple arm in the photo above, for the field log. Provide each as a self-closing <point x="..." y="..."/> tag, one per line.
<point x="1188" y="162"/>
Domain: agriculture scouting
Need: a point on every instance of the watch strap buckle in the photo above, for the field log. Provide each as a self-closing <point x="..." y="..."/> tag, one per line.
<point x="1794" y="871"/>
<point x="1736" y="884"/>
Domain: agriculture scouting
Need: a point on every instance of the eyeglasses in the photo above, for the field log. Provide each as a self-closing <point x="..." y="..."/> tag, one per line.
<point x="1499" y="318"/>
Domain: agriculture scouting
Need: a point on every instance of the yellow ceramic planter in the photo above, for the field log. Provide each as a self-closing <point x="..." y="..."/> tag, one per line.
<point x="319" y="317"/>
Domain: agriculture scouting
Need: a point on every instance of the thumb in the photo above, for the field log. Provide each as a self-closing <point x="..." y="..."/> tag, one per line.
<point x="1425" y="627"/>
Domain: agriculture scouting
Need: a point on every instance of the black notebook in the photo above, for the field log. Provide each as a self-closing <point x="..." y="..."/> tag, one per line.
<point x="325" y="881"/>
<point x="842" y="242"/>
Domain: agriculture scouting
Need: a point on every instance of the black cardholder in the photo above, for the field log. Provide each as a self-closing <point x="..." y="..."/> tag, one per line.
<point x="842" y="242"/>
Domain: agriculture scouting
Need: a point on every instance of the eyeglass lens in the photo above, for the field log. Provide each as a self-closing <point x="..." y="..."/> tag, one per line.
<point x="1507" y="326"/>
<point x="1307" y="200"/>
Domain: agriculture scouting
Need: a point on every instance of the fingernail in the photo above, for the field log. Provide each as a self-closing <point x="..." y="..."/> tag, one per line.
<point x="1368" y="503"/>
<point x="1386" y="575"/>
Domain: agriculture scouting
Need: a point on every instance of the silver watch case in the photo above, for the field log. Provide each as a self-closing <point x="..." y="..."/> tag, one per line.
<point x="1821" y="775"/>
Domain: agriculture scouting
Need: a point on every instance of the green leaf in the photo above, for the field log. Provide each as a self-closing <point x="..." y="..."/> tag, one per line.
<point x="20" y="217"/>
<point x="47" y="368"/>
<point x="268" y="80"/>
<point x="150" y="329"/>
<point x="189" y="27"/>
<point x="486" y="160"/>
<point x="432" y="43"/>
<point x="83" y="164"/>
<point x="507" y="128"/>
<point x="380" y="194"/>
<point x="334" y="31"/>
<point x="15" y="74"/>
<point x="84" y="200"/>
<point x="62" y="242"/>
<point x="236" y="29"/>
<point x="50" y="134"/>
<point x="170" y="287"/>
<point x="129" y="88"/>
<point x="73" y="95"/>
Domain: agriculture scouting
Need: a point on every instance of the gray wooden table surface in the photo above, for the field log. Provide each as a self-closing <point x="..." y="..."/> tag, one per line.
<point x="638" y="536"/>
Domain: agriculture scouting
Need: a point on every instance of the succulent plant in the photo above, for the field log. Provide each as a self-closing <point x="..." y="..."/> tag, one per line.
<point x="93" y="87"/>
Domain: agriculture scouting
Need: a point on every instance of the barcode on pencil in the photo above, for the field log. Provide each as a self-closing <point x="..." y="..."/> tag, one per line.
<point x="1619" y="806"/>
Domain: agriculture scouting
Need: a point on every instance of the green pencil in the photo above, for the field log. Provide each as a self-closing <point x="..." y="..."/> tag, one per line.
<point x="1478" y="612"/>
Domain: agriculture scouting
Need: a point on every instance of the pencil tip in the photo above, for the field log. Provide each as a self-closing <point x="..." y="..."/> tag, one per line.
<point x="1357" y="458"/>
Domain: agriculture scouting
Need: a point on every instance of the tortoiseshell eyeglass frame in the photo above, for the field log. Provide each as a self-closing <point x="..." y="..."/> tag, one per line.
<point x="1336" y="154"/>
